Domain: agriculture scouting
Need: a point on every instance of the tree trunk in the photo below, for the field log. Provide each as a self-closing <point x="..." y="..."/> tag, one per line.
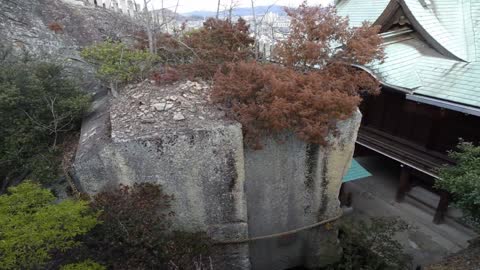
<point x="113" y="89"/>
<point x="148" y="26"/>
<point x="255" y="29"/>
<point x="218" y="9"/>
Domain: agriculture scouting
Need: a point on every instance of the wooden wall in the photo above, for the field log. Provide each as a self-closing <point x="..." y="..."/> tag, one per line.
<point x="426" y="126"/>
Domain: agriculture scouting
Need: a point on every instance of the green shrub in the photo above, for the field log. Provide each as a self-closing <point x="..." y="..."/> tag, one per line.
<point x="117" y="63"/>
<point x="85" y="265"/>
<point x="371" y="246"/>
<point x="135" y="231"/>
<point x="186" y="248"/>
<point x="32" y="225"/>
<point x="463" y="179"/>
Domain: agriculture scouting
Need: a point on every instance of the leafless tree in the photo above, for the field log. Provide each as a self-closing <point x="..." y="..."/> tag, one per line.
<point x="218" y="9"/>
<point x="148" y="26"/>
<point x="256" y="25"/>
<point x="153" y="24"/>
<point x="229" y="8"/>
<point x="255" y="30"/>
<point x="59" y="123"/>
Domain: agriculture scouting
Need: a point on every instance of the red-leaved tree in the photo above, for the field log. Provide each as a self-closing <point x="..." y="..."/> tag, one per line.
<point x="317" y="86"/>
<point x="319" y="37"/>
<point x="216" y="43"/>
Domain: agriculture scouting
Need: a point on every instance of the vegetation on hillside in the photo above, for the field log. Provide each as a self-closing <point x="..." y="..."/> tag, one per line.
<point x="218" y="42"/>
<point x="268" y="98"/>
<point x="134" y="232"/>
<point x="33" y="225"/>
<point x="371" y="245"/>
<point x="312" y="86"/>
<point x="116" y="63"/>
<point x="124" y="228"/>
<point x="85" y="265"/>
<point x="40" y="106"/>
<point x="133" y="222"/>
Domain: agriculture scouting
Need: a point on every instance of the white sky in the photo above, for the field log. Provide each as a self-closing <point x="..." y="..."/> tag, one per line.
<point x="211" y="5"/>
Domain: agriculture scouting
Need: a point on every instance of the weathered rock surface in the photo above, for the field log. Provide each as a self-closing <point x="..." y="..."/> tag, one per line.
<point x="293" y="184"/>
<point x="24" y="26"/>
<point x="220" y="186"/>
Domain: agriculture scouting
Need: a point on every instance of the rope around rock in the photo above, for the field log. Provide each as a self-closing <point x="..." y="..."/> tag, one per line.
<point x="323" y="222"/>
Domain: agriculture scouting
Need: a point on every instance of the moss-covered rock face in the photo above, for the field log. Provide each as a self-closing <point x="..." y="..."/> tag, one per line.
<point x="220" y="185"/>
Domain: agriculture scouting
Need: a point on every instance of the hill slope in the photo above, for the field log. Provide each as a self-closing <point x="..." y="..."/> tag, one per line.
<point x="259" y="10"/>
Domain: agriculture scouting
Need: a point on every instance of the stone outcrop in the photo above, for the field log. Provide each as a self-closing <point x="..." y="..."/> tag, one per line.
<point x="172" y="136"/>
<point x="26" y="25"/>
<point x="58" y="29"/>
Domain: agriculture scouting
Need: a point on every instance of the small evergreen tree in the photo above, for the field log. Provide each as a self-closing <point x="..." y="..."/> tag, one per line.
<point x="39" y="106"/>
<point x="462" y="180"/>
<point x="117" y="63"/>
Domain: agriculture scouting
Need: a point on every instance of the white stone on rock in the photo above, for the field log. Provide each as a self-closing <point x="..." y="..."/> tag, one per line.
<point x="168" y="106"/>
<point x="159" y="106"/>
<point x="178" y="116"/>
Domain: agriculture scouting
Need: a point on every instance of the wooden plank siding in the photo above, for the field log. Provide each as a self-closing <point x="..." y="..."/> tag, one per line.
<point x="408" y="129"/>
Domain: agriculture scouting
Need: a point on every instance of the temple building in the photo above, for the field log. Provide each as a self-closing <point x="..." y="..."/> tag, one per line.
<point x="430" y="81"/>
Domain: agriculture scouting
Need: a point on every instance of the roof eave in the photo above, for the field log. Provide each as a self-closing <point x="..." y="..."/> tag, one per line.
<point x="410" y="95"/>
<point x="397" y="88"/>
<point x="444" y="104"/>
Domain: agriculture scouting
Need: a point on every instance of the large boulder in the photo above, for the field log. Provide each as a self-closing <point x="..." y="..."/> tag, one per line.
<point x="292" y="184"/>
<point x="173" y="136"/>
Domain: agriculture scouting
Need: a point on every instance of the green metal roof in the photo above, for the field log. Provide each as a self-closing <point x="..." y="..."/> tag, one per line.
<point x="414" y="61"/>
<point x="359" y="11"/>
<point x="355" y="172"/>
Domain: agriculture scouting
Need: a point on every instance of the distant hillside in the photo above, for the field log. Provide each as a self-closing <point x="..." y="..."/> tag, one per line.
<point x="169" y="14"/>
<point x="259" y="10"/>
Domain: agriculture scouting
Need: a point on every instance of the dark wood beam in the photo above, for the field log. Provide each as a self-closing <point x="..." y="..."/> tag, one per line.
<point x="442" y="207"/>
<point x="405" y="183"/>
